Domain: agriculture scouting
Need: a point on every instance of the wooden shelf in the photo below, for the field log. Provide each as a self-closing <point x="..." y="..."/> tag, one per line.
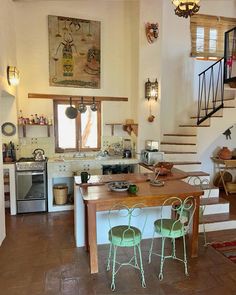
<point x="126" y="127"/>
<point x="31" y="125"/>
<point x="113" y="126"/>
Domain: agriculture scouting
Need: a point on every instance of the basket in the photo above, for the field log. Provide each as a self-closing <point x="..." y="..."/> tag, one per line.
<point x="60" y="192"/>
<point x="231" y="187"/>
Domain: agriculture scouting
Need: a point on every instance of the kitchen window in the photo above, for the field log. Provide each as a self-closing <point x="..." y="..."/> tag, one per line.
<point x="207" y="35"/>
<point x="80" y="134"/>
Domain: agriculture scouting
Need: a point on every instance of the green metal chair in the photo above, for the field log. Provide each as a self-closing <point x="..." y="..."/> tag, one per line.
<point x="125" y="235"/>
<point x="203" y="184"/>
<point x="173" y="227"/>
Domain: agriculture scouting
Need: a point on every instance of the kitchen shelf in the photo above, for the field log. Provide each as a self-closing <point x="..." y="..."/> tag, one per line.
<point x="113" y="126"/>
<point x="32" y="125"/>
<point x="126" y="127"/>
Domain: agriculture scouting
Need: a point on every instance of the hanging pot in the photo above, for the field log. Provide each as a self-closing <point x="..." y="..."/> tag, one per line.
<point x="225" y="153"/>
<point x="82" y="107"/>
<point x="71" y="112"/>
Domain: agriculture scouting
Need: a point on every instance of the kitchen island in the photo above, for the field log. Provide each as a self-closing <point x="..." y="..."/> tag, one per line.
<point x="93" y="200"/>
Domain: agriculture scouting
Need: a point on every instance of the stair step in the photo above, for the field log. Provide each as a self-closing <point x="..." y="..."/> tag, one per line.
<point x="213" y="201"/>
<point x="212" y="218"/>
<point x="177" y="143"/>
<point x="213" y="116"/>
<point x="186" y="163"/>
<point x="193" y="125"/>
<point x="225" y="107"/>
<point x="197" y="173"/>
<point x="180" y="134"/>
<point x="178" y="153"/>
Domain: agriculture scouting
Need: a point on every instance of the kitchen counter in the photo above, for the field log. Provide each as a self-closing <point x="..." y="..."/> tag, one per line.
<point x="103" y="160"/>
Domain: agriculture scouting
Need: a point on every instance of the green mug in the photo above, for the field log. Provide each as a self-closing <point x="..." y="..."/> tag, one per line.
<point x="85" y="176"/>
<point x="133" y="189"/>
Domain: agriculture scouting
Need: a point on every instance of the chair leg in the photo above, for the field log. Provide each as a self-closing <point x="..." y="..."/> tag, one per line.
<point x="173" y="248"/>
<point x="162" y="258"/>
<point x="135" y="257"/>
<point x="113" y="286"/>
<point x="185" y="257"/>
<point x="150" y="251"/>
<point x="204" y="232"/>
<point x="141" y="266"/>
<point x="109" y="258"/>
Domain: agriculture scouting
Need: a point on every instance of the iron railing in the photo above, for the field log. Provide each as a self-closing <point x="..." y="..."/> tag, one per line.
<point x="210" y="91"/>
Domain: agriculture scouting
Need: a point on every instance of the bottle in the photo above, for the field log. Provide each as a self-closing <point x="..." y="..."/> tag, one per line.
<point x="36" y="119"/>
<point x="31" y="119"/>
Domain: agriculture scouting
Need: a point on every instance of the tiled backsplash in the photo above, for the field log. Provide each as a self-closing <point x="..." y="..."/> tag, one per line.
<point x="27" y="145"/>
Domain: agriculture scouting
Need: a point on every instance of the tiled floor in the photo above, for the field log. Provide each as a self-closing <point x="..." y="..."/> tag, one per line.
<point x="39" y="257"/>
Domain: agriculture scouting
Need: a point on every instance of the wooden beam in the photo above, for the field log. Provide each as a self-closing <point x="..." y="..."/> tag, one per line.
<point x="75" y="97"/>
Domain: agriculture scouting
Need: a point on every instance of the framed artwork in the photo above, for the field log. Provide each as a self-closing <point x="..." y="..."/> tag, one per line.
<point x="74" y="52"/>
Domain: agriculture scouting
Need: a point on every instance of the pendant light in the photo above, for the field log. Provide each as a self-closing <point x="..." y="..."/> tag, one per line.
<point x="186" y="8"/>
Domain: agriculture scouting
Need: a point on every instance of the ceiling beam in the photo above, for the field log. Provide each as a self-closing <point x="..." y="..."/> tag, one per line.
<point x="75" y="97"/>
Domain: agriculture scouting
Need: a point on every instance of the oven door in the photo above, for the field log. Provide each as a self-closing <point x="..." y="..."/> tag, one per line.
<point x="31" y="193"/>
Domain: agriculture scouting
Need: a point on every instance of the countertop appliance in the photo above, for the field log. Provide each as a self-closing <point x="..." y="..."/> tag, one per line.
<point x="152" y="145"/>
<point x="151" y="157"/>
<point x="31" y="185"/>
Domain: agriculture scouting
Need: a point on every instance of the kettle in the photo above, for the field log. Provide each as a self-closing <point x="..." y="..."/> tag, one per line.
<point x="39" y="155"/>
<point x="127" y="154"/>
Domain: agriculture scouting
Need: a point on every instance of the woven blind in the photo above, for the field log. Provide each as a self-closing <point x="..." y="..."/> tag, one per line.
<point x="207" y="34"/>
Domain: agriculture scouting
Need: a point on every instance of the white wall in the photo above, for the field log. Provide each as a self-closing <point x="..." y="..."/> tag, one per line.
<point x="118" y="50"/>
<point x="149" y="67"/>
<point x="7" y="57"/>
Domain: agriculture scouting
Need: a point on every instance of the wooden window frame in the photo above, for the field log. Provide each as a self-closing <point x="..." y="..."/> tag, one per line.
<point x="220" y="23"/>
<point x="78" y="129"/>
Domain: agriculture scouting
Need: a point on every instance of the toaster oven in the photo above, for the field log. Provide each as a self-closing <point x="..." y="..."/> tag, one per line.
<point x="151" y="157"/>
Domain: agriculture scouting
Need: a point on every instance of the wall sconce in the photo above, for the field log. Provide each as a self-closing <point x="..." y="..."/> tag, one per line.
<point x="186" y="8"/>
<point x="13" y="76"/>
<point x="151" y="90"/>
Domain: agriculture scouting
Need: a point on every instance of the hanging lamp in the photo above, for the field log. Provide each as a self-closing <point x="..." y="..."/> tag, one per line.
<point x="186" y="8"/>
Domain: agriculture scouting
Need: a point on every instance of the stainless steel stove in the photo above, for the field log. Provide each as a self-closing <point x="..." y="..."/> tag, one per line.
<point x="29" y="164"/>
<point x="31" y="185"/>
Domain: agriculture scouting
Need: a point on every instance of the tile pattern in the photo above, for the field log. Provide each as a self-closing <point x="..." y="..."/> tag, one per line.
<point x="39" y="257"/>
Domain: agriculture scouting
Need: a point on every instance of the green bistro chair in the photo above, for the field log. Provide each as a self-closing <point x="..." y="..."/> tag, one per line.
<point x="126" y="235"/>
<point x="203" y="184"/>
<point x="172" y="228"/>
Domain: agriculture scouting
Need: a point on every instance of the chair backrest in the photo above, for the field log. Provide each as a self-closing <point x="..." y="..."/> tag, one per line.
<point x="181" y="211"/>
<point x="121" y="214"/>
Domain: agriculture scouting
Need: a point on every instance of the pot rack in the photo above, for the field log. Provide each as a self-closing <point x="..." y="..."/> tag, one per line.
<point x="75" y="97"/>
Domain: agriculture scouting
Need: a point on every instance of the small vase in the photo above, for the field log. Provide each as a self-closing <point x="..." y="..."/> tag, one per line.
<point x="225" y="153"/>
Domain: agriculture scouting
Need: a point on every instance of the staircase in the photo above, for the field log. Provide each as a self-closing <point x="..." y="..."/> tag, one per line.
<point x="185" y="147"/>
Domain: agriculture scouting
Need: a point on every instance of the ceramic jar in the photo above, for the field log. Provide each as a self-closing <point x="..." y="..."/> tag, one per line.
<point x="225" y="153"/>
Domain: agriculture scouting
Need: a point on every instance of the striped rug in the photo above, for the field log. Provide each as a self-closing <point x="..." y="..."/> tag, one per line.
<point x="228" y="249"/>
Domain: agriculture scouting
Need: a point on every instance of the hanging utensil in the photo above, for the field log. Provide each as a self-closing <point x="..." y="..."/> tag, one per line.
<point x="82" y="107"/>
<point x="93" y="106"/>
<point x="71" y="112"/>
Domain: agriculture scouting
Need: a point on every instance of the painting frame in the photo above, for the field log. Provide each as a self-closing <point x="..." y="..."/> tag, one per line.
<point x="74" y="52"/>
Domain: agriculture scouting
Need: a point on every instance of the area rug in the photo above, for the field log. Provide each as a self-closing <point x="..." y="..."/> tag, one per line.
<point x="228" y="249"/>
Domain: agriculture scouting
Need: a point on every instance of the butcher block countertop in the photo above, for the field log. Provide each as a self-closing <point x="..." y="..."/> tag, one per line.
<point x="130" y="177"/>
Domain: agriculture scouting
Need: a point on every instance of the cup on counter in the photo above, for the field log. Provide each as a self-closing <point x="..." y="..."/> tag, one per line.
<point x="85" y="176"/>
<point x="133" y="189"/>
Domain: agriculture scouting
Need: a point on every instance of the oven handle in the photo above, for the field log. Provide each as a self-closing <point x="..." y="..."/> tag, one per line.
<point x="30" y="173"/>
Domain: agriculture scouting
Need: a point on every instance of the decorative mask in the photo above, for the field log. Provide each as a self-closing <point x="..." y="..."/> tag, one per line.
<point x="152" y="32"/>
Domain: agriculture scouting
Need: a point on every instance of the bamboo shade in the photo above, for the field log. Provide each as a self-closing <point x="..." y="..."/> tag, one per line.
<point x="207" y="34"/>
